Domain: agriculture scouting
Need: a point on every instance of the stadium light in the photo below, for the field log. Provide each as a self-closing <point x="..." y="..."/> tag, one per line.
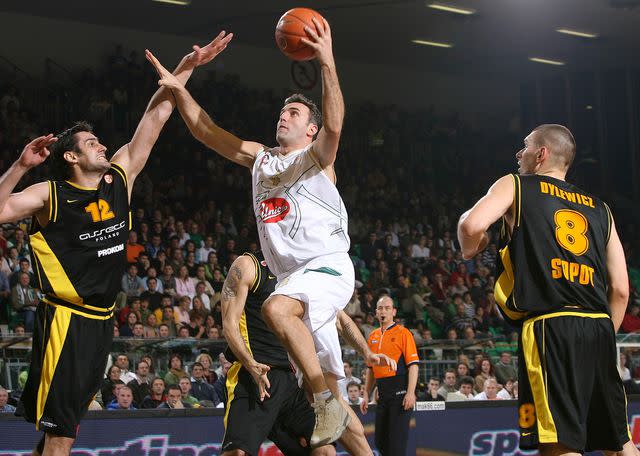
<point x="432" y="43"/>
<point x="547" y="61"/>
<point x="451" y="9"/>
<point x="576" y="33"/>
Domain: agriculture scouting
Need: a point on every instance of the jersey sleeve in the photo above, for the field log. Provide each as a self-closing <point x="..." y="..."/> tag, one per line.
<point x="409" y="349"/>
<point x="120" y="173"/>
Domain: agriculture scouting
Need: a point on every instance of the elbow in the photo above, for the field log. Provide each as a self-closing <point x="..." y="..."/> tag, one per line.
<point x="619" y="293"/>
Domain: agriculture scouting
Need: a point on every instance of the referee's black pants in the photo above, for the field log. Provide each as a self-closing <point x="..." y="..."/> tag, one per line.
<point x="392" y="426"/>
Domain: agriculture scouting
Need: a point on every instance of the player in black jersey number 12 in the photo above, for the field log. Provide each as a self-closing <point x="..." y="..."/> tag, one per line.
<point x="78" y="234"/>
<point x="561" y="278"/>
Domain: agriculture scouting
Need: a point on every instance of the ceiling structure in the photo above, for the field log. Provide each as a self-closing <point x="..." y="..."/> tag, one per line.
<point x="499" y="38"/>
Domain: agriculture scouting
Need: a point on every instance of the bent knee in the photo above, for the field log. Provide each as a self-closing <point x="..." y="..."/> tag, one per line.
<point x="279" y="307"/>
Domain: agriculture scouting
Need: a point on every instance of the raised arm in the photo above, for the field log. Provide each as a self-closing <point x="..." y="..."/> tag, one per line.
<point x="326" y="145"/>
<point x="34" y="199"/>
<point x="473" y="224"/>
<point x="133" y="156"/>
<point x="234" y="296"/>
<point x="618" y="278"/>
<point x="200" y="124"/>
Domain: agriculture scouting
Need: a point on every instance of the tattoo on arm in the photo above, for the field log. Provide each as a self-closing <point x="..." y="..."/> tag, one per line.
<point x="354" y="337"/>
<point x="230" y="287"/>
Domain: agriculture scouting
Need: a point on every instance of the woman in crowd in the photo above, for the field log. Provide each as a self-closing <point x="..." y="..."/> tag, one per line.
<point x="176" y="370"/>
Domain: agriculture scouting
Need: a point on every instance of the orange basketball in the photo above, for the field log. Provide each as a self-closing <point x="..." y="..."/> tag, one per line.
<point x="290" y="29"/>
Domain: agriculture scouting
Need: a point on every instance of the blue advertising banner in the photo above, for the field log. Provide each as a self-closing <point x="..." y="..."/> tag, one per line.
<point x="473" y="429"/>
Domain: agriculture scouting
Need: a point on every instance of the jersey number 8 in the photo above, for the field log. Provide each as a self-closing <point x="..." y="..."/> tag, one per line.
<point x="571" y="227"/>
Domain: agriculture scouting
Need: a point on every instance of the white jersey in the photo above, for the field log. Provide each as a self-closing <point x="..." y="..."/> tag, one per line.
<point x="299" y="211"/>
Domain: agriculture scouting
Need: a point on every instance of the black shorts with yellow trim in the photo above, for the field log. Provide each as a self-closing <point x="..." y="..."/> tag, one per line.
<point x="69" y="356"/>
<point x="286" y="418"/>
<point x="570" y="391"/>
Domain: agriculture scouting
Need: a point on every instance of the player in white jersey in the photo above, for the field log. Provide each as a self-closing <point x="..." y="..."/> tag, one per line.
<point x="302" y="223"/>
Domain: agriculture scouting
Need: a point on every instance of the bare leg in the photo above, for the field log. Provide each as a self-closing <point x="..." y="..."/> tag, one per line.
<point x="284" y="316"/>
<point x="234" y="453"/>
<point x="327" y="450"/>
<point x="55" y="445"/>
<point x="353" y="438"/>
<point x="628" y="449"/>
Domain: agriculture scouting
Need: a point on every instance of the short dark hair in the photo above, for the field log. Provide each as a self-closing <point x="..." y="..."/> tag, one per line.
<point x="352" y="383"/>
<point x="466" y="380"/>
<point x="559" y="139"/>
<point x="315" y="116"/>
<point x="66" y="141"/>
<point x="196" y="364"/>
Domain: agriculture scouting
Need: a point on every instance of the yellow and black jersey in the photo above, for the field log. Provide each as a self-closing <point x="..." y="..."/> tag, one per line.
<point x="263" y="344"/>
<point x="555" y="258"/>
<point x="79" y="256"/>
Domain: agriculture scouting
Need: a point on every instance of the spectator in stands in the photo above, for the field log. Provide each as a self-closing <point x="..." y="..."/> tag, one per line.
<point x="507" y="390"/>
<point x="133" y="306"/>
<point x="207" y="363"/>
<point x="5" y="291"/>
<point x="156" y="396"/>
<point x="138" y="331"/>
<point x="19" y="242"/>
<point x="126" y="330"/>
<point x="201" y="294"/>
<point x="433" y="391"/>
<point x="204" y="251"/>
<point x="461" y="320"/>
<point x="196" y="323"/>
<point x="24" y="268"/>
<point x="122" y="361"/>
<point x="168" y="280"/>
<point x="4" y="398"/>
<point x="465" y="393"/>
<point x="448" y="383"/>
<point x="152" y="294"/>
<point x="202" y="390"/>
<point x="631" y="320"/>
<point x="211" y="266"/>
<point x="462" y="370"/>
<point x="489" y="390"/>
<point x="348" y="378"/>
<point x="174" y="399"/>
<point x="24" y="299"/>
<point x="133" y="248"/>
<point x="163" y="331"/>
<point x="183" y="332"/>
<point x="353" y="396"/>
<point x="353" y="306"/>
<point x="106" y="389"/>
<point x="176" y="370"/>
<point x="202" y="277"/>
<point x="151" y="328"/>
<point x="131" y="283"/>
<point x="181" y="311"/>
<point x="504" y="369"/>
<point x="150" y="363"/>
<point x="187" y="397"/>
<point x="124" y="400"/>
<point x="220" y="384"/>
<point x="486" y="371"/>
<point x="154" y="246"/>
<point x="140" y="386"/>
<point x="213" y="333"/>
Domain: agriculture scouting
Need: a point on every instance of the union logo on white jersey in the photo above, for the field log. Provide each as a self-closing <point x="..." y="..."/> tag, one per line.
<point x="299" y="210"/>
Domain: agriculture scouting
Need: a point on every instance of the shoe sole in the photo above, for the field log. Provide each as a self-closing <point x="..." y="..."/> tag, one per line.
<point x="336" y="435"/>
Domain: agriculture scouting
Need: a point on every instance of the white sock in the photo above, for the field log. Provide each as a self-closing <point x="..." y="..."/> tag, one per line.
<point x="324" y="395"/>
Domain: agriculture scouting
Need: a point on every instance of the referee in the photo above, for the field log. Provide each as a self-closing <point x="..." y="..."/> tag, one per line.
<point x="396" y="390"/>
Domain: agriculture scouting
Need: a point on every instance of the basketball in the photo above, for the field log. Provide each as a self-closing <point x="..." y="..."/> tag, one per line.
<point x="290" y="30"/>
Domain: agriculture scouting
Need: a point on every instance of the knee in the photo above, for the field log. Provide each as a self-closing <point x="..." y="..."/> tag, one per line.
<point x="270" y="311"/>
<point x="234" y="453"/>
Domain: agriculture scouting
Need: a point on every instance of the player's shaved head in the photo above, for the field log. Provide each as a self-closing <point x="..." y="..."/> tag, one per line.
<point x="560" y="142"/>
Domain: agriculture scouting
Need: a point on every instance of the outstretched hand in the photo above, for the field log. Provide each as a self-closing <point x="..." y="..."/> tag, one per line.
<point x="167" y="79"/>
<point x="319" y="39"/>
<point x="204" y="55"/>
<point x="36" y="151"/>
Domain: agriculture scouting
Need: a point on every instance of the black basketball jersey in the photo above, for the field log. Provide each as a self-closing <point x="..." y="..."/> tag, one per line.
<point x="556" y="256"/>
<point x="79" y="256"/>
<point x="261" y="342"/>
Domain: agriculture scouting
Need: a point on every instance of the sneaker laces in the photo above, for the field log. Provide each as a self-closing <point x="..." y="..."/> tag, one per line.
<point x="321" y="415"/>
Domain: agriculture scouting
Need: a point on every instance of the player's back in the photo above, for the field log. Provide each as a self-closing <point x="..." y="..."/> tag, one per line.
<point x="555" y="259"/>
<point x="299" y="211"/>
